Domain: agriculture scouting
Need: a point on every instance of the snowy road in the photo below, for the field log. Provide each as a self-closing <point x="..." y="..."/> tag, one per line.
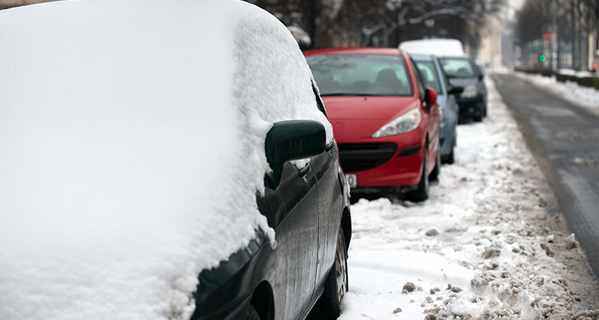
<point x="565" y="137"/>
<point x="482" y="246"/>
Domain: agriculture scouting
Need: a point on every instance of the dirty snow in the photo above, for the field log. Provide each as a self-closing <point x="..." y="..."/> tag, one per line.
<point x="482" y="247"/>
<point x="580" y="74"/>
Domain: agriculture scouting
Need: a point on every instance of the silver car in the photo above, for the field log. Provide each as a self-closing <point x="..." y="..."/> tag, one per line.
<point x="431" y="71"/>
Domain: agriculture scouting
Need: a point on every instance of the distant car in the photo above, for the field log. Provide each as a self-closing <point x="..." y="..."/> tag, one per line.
<point x="435" y="78"/>
<point x="462" y="72"/>
<point x="385" y="119"/>
<point x="165" y="161"/>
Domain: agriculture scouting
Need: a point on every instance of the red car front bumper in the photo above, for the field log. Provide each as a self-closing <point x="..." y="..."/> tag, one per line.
<point x="394" y="161"/>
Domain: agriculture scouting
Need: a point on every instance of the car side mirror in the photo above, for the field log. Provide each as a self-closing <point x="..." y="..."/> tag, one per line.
<point x="292" y="140"/>
<point x="431" y="98"/>
<point x="455" y="90"/>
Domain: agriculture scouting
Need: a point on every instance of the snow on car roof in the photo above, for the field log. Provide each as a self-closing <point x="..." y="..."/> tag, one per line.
<point x="131" y="149"/>
<point x="438" y="47"/>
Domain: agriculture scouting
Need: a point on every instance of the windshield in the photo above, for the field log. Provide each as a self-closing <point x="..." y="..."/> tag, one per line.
<point x="360" y="75"/>
<point x="428" y="72"/>
<point x="457" y="67"/>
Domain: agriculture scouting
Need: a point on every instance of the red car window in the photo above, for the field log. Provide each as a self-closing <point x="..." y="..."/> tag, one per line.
<point x="360" y="74"/>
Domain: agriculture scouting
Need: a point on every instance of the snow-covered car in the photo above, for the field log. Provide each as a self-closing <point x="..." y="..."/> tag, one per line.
<point x="385" y="119"/>
<point x="165" y="160"/>
<point x="435" y="77"/>
<point x="464" y="75"/>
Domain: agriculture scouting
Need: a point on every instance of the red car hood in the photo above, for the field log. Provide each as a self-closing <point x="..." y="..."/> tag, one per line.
<point x="355" y="118"/>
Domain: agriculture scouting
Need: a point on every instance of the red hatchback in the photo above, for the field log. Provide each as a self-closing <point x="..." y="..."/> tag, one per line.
<point x="385" y="120"/>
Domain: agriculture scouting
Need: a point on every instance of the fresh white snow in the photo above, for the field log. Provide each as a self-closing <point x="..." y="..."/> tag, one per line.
<point x="131" y="149"/>
<point x="124" y="175"/>
<point x="475" y="249"/>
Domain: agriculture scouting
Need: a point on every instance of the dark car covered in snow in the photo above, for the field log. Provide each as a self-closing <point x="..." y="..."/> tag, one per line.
<point x="165" y="161"/>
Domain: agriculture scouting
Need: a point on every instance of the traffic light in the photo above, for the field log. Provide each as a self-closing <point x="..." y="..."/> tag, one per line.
<point x="542" y="58"/>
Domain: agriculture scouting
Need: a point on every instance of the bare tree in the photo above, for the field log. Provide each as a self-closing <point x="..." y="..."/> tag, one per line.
<point x="443" y="15"/>
<point x="382" y="22"/>
<point x="572" y="21"/>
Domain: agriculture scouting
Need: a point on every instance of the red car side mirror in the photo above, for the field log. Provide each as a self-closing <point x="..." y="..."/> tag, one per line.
<point x="430" y="97"/>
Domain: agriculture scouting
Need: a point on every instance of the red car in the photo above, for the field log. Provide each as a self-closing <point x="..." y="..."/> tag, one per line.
<point x="385" y="120"/>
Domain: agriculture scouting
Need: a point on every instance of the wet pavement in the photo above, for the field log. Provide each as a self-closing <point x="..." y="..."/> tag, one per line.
<point x="564" y="139"/>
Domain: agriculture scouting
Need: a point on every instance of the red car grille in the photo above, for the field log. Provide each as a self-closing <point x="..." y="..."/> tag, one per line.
<point x="364" y="156"/>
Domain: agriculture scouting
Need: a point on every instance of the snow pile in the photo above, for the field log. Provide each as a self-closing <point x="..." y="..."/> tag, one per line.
<point x="580" y="74"/>
<point x="131" y="138"/>
<point x="570" y="91"/>
<point x="482" y="246"/>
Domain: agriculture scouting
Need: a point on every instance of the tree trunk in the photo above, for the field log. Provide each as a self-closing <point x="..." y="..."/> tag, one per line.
<point x="596" y="29"/>
<point x="581" y="36"/>
<point x="588" y="33"/>
<point x="313" y="30"/>
<point x="574" y="34"/>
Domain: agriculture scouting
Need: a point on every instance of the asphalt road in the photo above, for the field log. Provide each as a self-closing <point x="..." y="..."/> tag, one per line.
<point x="564" y="139"/>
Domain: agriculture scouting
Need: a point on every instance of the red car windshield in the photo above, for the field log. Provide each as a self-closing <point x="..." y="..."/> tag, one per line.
<point x="360" y="75"/>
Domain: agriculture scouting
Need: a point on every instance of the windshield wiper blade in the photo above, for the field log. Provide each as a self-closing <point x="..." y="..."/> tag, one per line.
<point x="349" y="94"/>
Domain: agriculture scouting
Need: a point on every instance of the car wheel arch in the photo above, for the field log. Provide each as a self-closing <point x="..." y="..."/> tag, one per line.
<point x="263" y="301"/>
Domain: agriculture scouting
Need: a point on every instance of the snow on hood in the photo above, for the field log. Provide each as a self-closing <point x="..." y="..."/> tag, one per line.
<point x="131" y="149"/>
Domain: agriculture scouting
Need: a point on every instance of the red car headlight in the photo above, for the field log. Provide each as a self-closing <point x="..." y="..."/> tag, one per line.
<point x="403" y="124"/>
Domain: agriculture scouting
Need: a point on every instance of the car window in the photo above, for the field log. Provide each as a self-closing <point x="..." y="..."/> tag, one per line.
<point x="445" y="79"/>
<point x="458" y="67"/>
<point x="429" y="73"/>
<point x="360" y="74"/>
<point x="419" y="80"/>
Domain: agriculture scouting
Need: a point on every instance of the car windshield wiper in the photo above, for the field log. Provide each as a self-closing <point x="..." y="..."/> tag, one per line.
<point x="350" y="94"/>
